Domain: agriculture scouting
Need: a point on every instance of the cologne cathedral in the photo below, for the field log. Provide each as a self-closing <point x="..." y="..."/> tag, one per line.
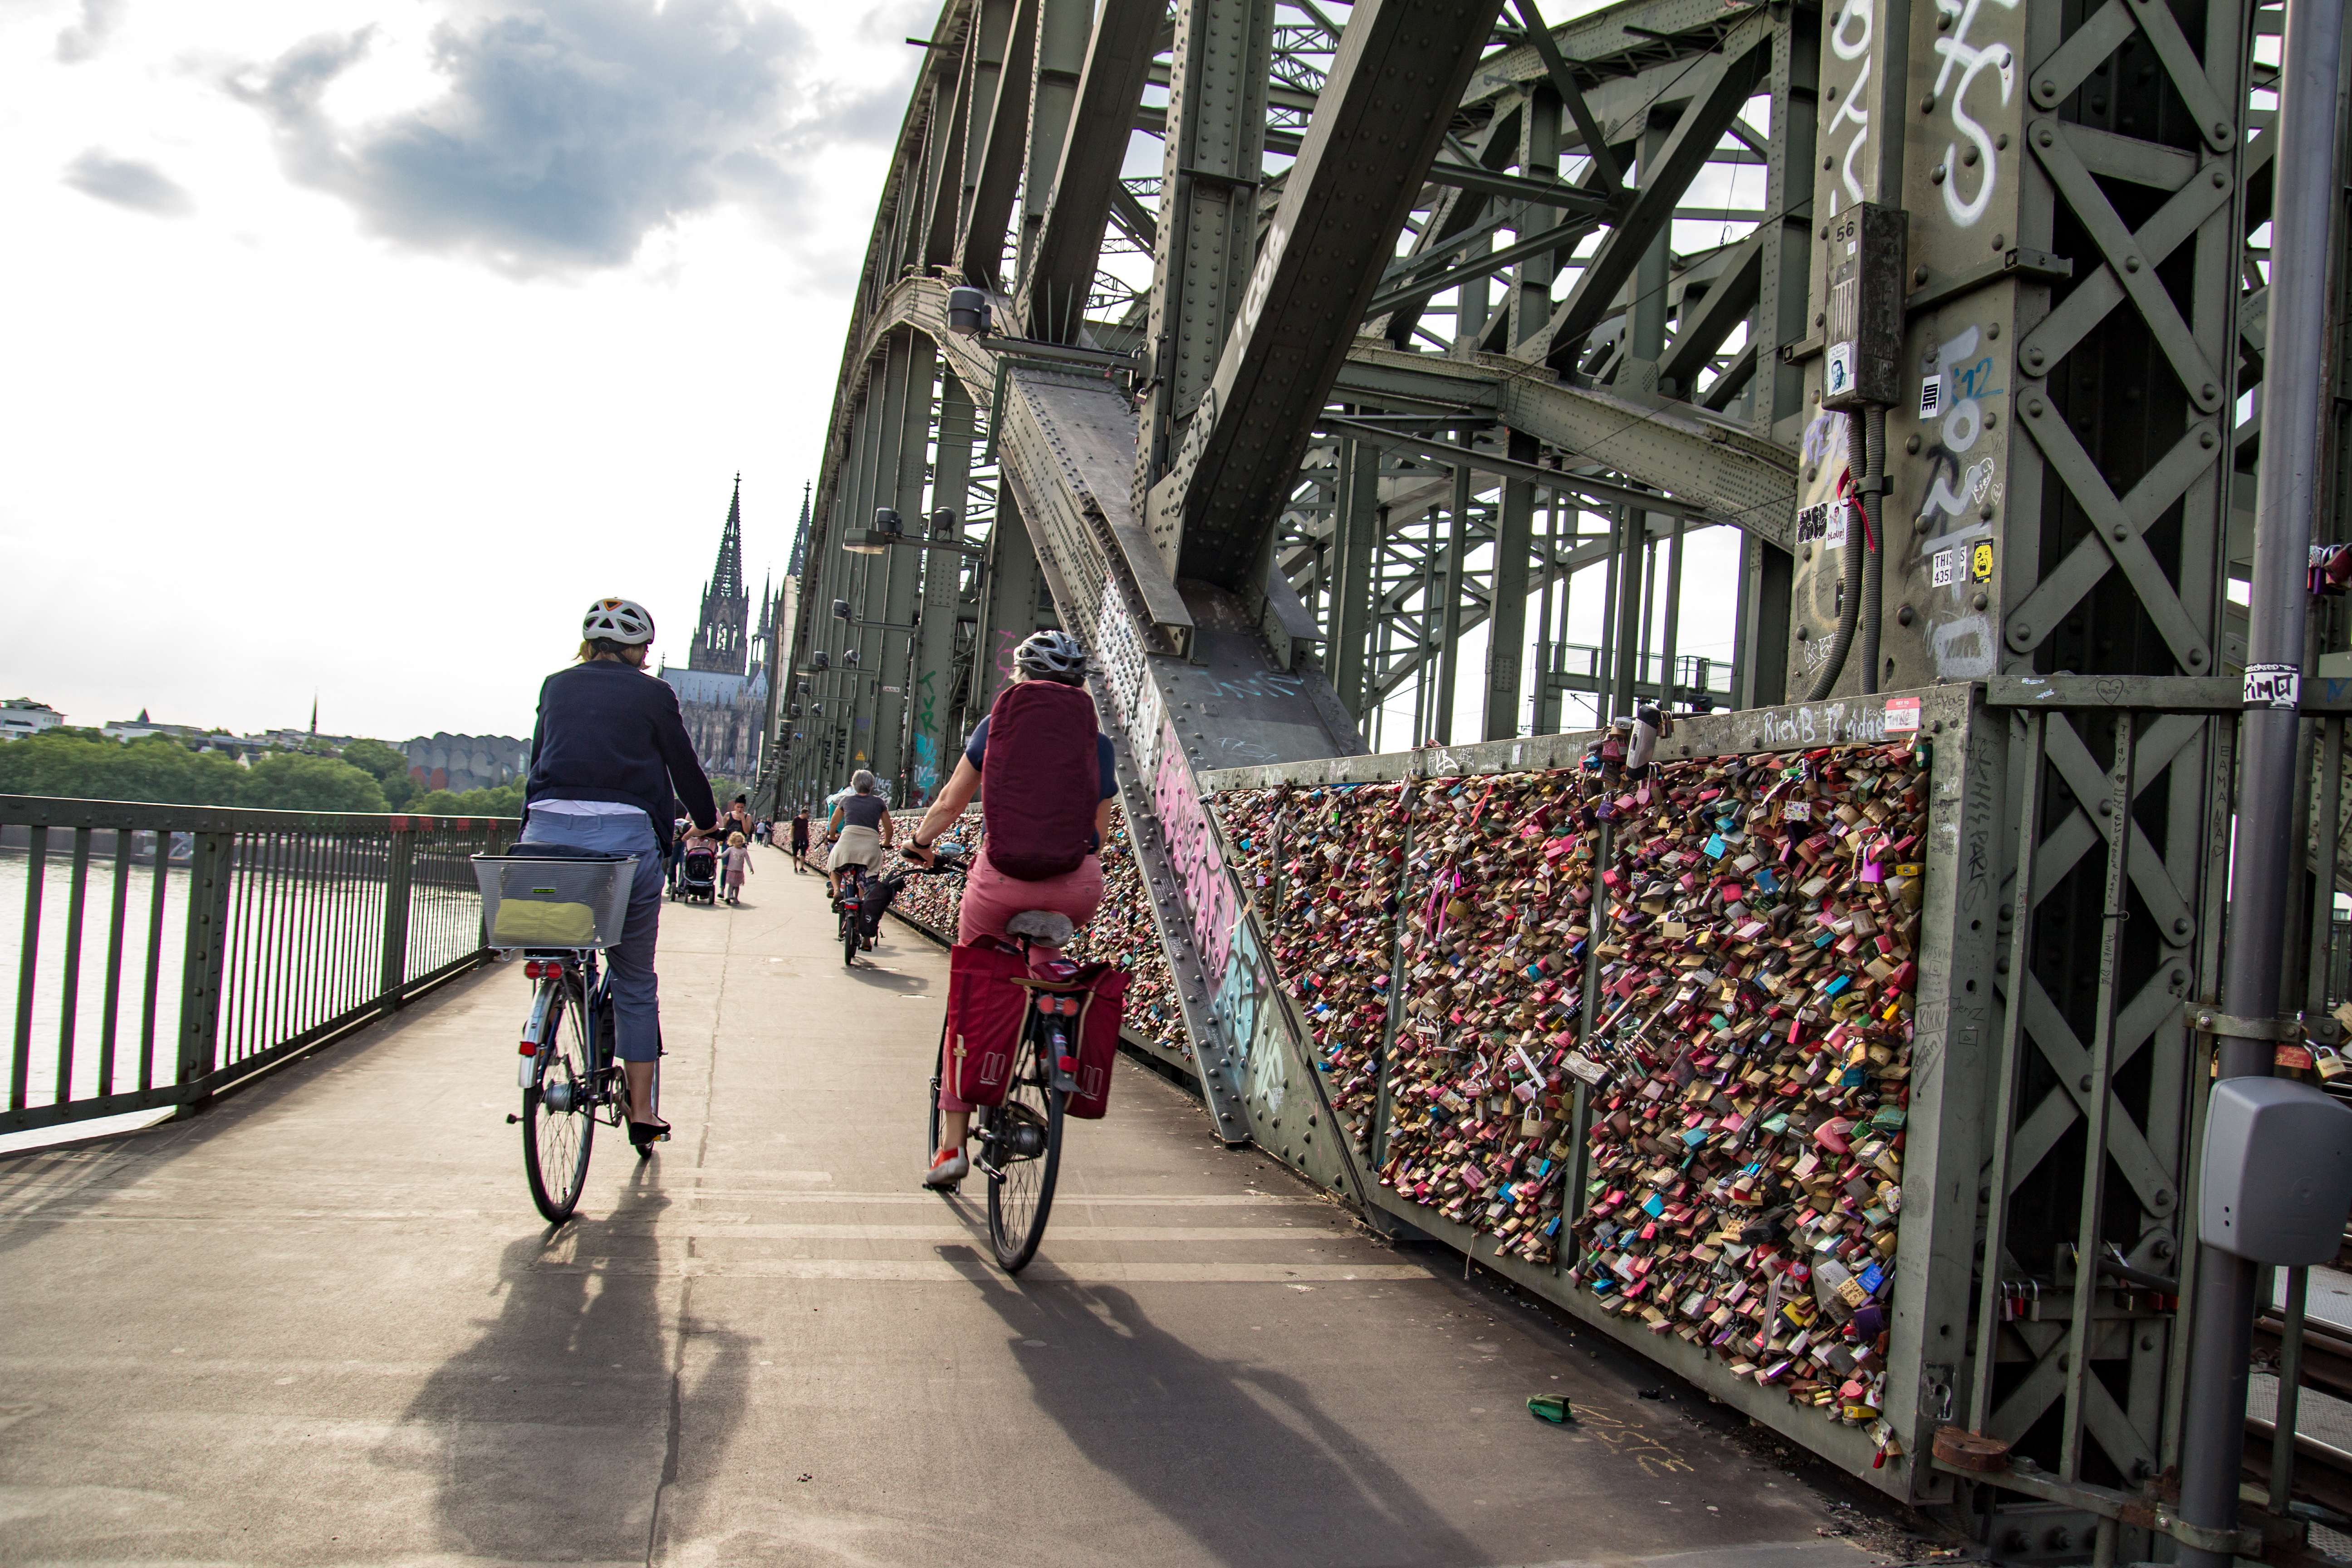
<point x="723" y="690"/>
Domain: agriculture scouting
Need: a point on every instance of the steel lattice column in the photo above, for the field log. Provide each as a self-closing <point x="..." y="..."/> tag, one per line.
<point x="915" y="368"/>
<point x="934" y="705"/>
<point x="1008" y="611"/>
<point x="1208" y="216"/>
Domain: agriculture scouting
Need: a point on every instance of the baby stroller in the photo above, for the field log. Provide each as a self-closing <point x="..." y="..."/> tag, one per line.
<point x="698" y="874"/>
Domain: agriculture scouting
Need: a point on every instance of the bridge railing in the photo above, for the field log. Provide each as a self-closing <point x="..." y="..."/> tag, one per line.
<point x="164" y="952"/>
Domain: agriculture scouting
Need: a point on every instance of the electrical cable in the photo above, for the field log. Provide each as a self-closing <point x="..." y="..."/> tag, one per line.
<point x="1868" y="506"/>
<point x="1856" y="552"/>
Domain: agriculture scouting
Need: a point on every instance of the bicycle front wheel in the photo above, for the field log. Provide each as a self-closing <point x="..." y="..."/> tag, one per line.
<point x="1023" y="1145"/>
<point x="559" y="1111"/>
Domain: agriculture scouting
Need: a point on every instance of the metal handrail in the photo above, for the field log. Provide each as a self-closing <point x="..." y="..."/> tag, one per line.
<point x="291" y="929"/>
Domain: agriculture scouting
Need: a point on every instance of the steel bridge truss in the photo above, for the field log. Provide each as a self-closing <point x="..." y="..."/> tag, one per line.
<point x="1326" y="336"/>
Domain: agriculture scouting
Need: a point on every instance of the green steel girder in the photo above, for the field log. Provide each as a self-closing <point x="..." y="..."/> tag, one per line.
<point x="1062" y="264"/>
<point x="1383" y="114"/>
<point x="1722" y="85"/>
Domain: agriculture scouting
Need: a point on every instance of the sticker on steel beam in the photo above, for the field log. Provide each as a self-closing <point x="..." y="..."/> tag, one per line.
<point x="2276" y="685"/>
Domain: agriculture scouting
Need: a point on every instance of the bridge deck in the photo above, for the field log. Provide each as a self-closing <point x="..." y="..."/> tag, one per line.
<point x="320" y="1323"/>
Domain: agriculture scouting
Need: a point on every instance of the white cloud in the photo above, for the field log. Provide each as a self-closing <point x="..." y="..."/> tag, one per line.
<point x="127" y="182"/>
<point x="565" y="133"/>
<point x="90" y="31"/>
<point x="292" y="442"/>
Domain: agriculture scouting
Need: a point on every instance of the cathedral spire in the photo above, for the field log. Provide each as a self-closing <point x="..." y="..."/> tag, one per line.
<point x="720" y="643"/>
<point x="800" y="538"/>
<point x="727" y="576"/>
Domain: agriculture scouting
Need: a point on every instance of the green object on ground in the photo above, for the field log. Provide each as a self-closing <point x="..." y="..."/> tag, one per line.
<point x="1551" y="1407"/>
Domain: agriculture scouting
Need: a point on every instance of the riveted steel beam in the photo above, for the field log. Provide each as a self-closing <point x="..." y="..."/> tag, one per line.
<point x="1383" y="113"/>
<point x="1085" y="182"/>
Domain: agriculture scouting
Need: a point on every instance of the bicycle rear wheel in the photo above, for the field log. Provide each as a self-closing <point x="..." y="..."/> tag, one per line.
<point x="1022" y="1141"/>
<point x="559" y="1112"/>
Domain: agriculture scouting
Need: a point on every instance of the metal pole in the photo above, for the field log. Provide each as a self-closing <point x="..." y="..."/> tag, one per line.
<point x="1605" y="666"/>
<point x="1541" y="722"/>
<point x="1457" y="588"/>
<point x="2267" y="850"/>
<point x="1672" y="618"/>
<point x="2290" y="1388"/>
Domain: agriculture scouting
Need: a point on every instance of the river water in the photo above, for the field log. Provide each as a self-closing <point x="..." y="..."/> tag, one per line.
<point x="303" y="949"/>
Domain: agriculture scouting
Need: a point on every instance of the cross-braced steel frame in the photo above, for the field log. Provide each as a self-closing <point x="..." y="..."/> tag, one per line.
<point x="1335" y="347"/>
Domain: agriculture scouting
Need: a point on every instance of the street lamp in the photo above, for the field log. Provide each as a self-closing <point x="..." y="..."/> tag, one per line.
<point x="877" y="541"/>
<point x="840" y="612"/>
<point x="968" y="312"/>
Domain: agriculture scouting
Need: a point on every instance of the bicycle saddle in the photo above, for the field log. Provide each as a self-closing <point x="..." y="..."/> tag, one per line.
<point x="1047" y="927"/>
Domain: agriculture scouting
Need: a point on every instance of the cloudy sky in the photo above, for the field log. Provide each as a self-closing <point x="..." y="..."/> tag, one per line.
<point x="355" y="344"/>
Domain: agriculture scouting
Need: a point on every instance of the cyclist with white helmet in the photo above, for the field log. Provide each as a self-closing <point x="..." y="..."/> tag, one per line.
<point x="1052" y="766"/>
<point x="608" y="756"/>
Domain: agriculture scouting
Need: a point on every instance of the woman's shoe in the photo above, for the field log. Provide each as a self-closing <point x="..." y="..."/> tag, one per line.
<point x="949" y="1166"/>
<point x="644" y="1135"/>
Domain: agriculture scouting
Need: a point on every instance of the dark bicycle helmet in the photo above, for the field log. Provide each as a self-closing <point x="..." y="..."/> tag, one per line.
<point x="1052" y="655"/>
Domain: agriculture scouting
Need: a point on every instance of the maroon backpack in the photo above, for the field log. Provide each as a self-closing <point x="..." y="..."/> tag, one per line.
<point x="1040" y="817"/>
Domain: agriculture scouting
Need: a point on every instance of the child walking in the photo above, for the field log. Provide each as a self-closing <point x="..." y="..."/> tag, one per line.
<point x="738" y="863"/>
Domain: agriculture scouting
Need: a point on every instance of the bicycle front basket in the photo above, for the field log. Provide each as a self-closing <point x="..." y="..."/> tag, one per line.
<point x="546" y="901"/>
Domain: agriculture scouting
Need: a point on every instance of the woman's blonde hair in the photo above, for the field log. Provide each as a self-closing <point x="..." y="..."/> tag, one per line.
<point x="734" y="838"/>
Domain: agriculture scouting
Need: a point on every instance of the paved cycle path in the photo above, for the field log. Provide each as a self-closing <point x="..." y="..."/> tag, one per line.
<point x="321" y="1323"/>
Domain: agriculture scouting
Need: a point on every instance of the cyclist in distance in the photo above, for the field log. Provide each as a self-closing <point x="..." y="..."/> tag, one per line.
<point x="861" y="830"/>
<point x="1051" y="780"/>
<point x="608" y="757"/>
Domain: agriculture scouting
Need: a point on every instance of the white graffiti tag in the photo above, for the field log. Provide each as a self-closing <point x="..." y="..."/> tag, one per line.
<point x="1847" y="46"/>
<point x="1969" y="59"/>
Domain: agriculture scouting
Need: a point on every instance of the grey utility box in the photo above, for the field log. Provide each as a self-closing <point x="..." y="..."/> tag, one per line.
<point x="2277" y="1180"/>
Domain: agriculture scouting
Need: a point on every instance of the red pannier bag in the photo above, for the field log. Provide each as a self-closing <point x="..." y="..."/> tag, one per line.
<point x="987" y="1007"/>
<point x="1040" y="818"/>
<point x="1101" y="1011"/>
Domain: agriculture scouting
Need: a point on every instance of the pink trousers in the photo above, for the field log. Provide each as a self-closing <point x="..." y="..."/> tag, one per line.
<point x="990" y="898"/>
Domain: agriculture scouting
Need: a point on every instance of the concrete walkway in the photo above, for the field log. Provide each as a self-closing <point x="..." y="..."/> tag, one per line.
<point x="321" y="1323"/>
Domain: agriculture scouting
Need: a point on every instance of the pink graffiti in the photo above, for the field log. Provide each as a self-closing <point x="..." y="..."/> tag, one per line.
<point x="1208" y="892"/>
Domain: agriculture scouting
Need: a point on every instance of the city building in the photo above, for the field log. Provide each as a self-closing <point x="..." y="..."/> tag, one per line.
<point x="461" y="763"/>
<point x="722" y="693"/>
<point x="22" y="716"/>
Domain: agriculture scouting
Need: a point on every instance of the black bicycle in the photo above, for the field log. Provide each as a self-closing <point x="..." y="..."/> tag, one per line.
<point x="849" y="901"/>
<point x="1019" y="1139"/>
<point x="569" y="1077"/>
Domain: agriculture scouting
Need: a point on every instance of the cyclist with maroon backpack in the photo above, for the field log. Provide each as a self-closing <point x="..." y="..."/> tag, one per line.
<point x="1049" y="781"/>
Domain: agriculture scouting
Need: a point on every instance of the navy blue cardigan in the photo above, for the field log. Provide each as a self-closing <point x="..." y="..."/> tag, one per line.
<point x="609" y="732"/>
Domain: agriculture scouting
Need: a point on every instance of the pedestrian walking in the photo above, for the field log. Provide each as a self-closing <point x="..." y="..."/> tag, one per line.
<point x="739" y="866"/>
<point x="800" y="839"/>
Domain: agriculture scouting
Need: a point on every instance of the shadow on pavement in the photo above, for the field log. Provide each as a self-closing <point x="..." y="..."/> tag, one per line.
<point x="1241" y="1457"/>
<point x="868" y="972"/>
<point x="557" y="1435"/>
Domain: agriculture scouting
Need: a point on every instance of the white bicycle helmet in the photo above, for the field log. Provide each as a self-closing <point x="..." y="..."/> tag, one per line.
<point x="617" y="620"/>
<point x="1055" y="656"/>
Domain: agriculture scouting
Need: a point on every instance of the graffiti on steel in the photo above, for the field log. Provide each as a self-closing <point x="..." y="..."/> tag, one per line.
<point x="1201" y="880"/>
<point x="1970" y="59"/>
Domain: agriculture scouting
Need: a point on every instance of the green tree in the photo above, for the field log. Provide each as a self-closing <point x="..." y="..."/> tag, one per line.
<point x="155" y="769"/>
<point x="504" y="801"/>
<point x="289" y="781"/>
<point x="388" y="766"/>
